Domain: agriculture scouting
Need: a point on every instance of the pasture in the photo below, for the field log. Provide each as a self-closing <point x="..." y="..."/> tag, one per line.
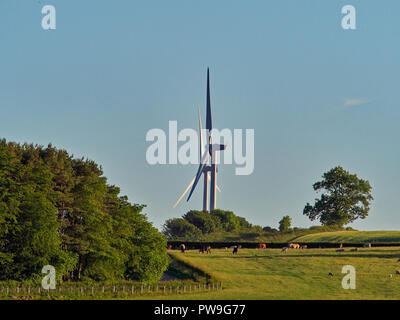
<point x="298" y="274"/>
<point x="351" y="237"/>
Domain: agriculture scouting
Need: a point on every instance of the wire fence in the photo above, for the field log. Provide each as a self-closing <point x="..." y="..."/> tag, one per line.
<point x="114" y="290"/>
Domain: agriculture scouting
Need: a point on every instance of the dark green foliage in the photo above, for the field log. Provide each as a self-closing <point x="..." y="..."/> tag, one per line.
<point x="206" y="222"/>
<point x="60" y="211"/>
<point x="180" y="228"/>
<point x="345" y="198"/>
<point x="270" y="230"/>
<point x="195" y="224"/>
<point x="285" y="223"/>
<point x="229" y="221"/>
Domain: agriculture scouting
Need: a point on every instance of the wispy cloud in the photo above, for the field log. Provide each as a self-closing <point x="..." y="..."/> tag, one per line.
<point x="352" y="102"/>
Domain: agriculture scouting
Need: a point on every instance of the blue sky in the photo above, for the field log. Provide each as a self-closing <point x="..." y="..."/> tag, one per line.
<point x="316" y="95"/>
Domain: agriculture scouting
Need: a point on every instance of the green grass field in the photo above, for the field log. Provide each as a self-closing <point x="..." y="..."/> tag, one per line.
<point x="299" y="274"/>
<point x="351" y="236"/>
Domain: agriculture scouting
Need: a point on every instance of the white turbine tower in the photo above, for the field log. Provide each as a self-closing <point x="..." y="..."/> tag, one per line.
<point x="205" y="169"/>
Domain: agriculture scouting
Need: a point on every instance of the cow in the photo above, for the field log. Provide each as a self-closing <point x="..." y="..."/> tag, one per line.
<point x="284" y="250"/>
<point x="261" y="246"/>
<point x="354" y="250"/>
<point x="169" y="247"/>
<point x="303" y="247"/>
<point x="235" y="250"/>
<point x="294" y="245"/>
<point x="367" y="245"/>
<point x="182" y="247"/>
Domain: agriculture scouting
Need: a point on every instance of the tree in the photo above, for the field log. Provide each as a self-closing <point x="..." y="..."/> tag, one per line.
<point x="345" y="198"/>
<point x="285" y="223"/>
<point x="58" y="210"/>
<point x="202" y="220"/>
<point x="180" y="228"/>
<point x="229" y="222"/>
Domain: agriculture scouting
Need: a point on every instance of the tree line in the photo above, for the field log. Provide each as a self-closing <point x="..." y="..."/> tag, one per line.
<point x="58" y="210"/>
<point x="344" y="199"/>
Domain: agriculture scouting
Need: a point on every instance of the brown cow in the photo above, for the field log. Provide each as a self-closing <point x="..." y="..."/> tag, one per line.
<point x="294" y="245"/>
<point x="169" y="247"/>
<point x="261" y="246"/>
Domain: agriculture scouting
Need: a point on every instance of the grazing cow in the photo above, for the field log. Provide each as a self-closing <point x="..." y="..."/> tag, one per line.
<point x="261" y="246"/>
<point x="339" y="250"/>
<point x="367" y="245"/>
<point x="235" y="250"/>
<point x="284" y="250"/>
<point x="294" y="245"/>
<point x="208" y="249"/>
<point x="183" y="248"/>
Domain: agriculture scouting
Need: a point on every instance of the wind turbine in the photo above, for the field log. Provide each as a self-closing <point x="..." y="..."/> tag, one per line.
<point x="205" y="169"/>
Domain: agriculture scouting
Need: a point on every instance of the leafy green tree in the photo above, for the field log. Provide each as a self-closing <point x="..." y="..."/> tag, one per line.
<point x="345" y="198"/>
<point x="285" y="224"/>
<point x="270" y="230"/>
<point x="180" y="228"/>
<point x="58" y="210"/>
<point x="202" y="220"/>
<point x="228" y="220"/>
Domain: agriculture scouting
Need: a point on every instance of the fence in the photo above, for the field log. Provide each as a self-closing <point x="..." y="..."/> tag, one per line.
<point x="128" y="290"/>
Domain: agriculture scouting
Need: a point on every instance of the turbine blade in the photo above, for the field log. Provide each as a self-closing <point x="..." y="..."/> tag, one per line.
<point x="208" y="115"/>
<point x="209" y="121"/>
<point x="184" y="193"/>
<point x="199" y="172"/>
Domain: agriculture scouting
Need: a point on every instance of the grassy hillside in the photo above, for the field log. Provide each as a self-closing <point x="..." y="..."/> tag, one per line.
<point x="263" y="236"/>
<point x="352" y="236"/>
<point x="299" y="274"/>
